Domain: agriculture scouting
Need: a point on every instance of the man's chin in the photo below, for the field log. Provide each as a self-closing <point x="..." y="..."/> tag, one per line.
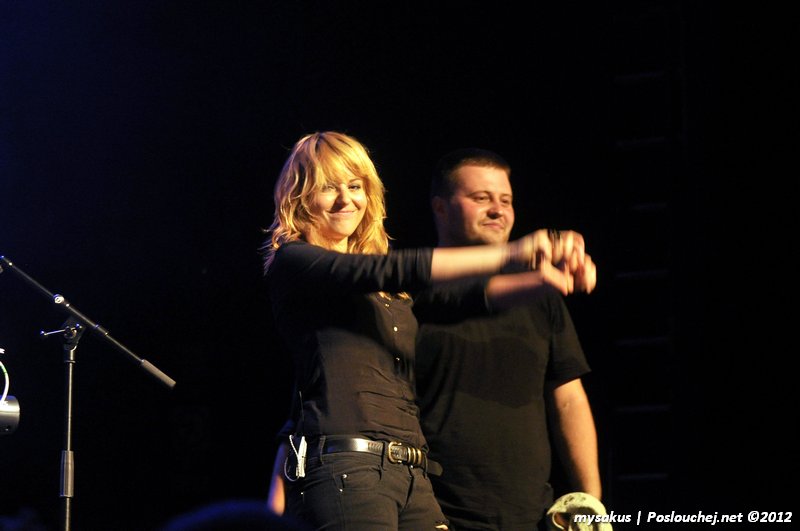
<point x="492" y="238"/>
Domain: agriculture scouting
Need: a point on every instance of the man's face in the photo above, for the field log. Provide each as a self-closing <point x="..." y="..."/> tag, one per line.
<point x="480" y="211"/>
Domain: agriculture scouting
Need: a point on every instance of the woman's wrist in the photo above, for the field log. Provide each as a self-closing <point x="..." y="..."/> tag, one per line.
<point x="520" y="254"/>
<point x="527" y="252"/>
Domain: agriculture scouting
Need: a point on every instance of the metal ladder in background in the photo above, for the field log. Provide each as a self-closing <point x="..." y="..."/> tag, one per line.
<point x="647" y="117"/>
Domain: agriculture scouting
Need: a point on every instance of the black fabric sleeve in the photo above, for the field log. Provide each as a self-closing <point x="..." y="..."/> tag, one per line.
<point x="399" y="270"/>
<point x="290" y="426"/>
<point x="568" y="360"/>
<point x="287" y="429"/>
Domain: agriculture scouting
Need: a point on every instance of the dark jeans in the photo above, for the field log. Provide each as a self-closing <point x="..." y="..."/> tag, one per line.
<point x="359" y="491"/>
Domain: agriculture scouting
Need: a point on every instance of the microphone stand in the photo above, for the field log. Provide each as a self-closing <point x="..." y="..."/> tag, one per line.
<point x="72" y="330"/>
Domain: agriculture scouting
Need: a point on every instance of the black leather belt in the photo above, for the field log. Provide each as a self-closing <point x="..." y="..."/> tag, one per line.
<point x="395" y="452"/>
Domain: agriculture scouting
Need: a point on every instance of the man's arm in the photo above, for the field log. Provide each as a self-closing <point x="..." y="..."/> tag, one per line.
<point x="276" y="501"/>
<point x="513" y="289"/>
<point x="505" y="291"/>
<point x="575" y="436"/>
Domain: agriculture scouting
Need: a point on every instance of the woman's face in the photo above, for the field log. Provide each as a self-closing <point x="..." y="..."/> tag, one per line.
<point x="338" y="208"/>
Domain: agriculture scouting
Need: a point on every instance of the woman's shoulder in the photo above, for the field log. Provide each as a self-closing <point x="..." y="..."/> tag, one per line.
<point x="294" y="244"/>
<point x="287" y="257"/>
<point x="296" y="248"/>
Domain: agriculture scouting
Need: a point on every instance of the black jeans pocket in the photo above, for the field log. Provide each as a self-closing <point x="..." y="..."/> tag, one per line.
<point x="355" y="472"/>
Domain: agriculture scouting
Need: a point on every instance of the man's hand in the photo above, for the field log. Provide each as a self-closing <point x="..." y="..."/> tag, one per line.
<point x="568" y="247"/>
<point x="560" y="255"/>
<point x="586" y="276"/>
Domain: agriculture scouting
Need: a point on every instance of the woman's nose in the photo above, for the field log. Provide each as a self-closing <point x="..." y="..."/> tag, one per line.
<point x="344" y="194"/>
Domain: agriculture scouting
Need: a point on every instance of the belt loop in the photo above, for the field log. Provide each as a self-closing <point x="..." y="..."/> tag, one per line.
<point x="321" y="447"/>
<point x="384" y="454"/>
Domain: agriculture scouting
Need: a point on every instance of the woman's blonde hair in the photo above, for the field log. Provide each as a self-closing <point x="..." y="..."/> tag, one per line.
<point x="315" y="160"/>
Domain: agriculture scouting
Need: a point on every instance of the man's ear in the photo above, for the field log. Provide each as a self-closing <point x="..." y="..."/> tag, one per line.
<point x="439" y="207"/>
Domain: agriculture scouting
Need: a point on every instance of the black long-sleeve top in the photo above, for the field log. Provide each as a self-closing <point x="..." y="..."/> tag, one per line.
<point x="353" y="348"/>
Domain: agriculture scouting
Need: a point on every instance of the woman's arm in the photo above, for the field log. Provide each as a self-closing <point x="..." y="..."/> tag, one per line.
<point x="451" y="263"/>
<point x="540" y="258"/>
<point x="414" y="269"/>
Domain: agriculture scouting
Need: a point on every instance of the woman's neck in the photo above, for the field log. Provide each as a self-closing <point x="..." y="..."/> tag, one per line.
<point x="333" y="245"/>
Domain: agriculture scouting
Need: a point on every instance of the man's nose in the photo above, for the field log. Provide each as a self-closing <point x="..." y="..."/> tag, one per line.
<point x="496" y="209"/>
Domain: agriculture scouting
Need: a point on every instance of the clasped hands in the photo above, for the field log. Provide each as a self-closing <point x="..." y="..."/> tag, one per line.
<point x="560" y="257"/>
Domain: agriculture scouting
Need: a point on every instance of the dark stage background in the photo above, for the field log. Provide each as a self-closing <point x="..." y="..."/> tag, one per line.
<point x="139" y="142"/>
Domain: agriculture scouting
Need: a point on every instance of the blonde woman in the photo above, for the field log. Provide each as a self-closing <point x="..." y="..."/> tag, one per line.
<point x="339" y="295"/>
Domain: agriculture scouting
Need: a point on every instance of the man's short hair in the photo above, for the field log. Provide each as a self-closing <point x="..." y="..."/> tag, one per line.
<point x="443" y="182"/>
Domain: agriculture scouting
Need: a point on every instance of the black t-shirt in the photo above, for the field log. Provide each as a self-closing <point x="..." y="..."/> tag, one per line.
<point x="353" y="348"/>
<point x="480" y="386"/>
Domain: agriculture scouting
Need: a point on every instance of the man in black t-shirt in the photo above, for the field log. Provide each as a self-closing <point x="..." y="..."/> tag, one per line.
<point x="486" y="385"/>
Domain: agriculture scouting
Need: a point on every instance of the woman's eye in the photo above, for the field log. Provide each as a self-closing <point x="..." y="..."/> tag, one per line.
<point x="355" y="187"/>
